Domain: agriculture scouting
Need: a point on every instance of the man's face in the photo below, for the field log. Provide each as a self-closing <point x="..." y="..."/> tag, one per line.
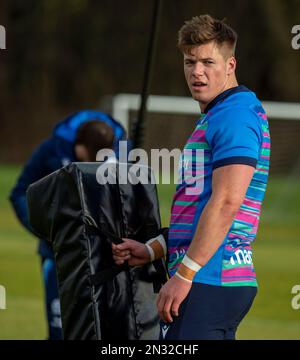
<point x="82" y="153"/>
<point x="208" y="73"/>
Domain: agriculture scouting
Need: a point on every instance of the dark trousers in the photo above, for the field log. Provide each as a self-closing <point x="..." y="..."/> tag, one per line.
<point x="52" y="299"/>
<point x="210" y="313"/>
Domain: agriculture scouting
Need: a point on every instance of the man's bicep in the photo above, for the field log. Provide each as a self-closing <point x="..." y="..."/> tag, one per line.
<point x="230" y="182"/>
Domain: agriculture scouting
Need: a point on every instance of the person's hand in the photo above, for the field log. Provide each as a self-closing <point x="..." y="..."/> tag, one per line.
<point x="170" y="297"/>
<point x="132" y="251"/>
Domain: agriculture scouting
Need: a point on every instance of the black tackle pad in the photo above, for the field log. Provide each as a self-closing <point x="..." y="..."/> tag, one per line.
<point x="82" y="209"/>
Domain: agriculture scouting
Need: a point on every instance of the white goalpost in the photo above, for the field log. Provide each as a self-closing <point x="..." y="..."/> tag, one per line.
<point x="122" y="104"/>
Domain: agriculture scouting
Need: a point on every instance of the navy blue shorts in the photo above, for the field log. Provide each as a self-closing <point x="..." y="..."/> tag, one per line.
<point x="210" y="313"/>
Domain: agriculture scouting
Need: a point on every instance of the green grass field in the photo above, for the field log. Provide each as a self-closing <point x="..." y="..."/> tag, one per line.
<point x="276" y="258"/>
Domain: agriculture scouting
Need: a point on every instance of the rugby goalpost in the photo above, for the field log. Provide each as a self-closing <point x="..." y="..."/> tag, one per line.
<point x="122" y="104"/>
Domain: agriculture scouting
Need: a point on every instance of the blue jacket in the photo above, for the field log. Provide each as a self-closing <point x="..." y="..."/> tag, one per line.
<point x="51" y="155"/>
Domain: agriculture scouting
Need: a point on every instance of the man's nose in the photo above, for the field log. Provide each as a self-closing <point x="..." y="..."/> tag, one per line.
<point x="198" y="69"/>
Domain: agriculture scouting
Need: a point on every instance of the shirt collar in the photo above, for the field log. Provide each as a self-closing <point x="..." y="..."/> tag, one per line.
<point x="224" y="95"/>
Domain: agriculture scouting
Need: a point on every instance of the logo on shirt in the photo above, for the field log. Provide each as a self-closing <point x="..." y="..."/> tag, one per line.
<point x="241" y="257"/>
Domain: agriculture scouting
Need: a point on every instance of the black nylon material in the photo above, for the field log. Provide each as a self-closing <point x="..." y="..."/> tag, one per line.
<point x="81" y="218"/>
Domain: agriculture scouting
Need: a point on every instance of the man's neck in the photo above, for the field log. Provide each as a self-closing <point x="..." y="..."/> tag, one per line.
<point x="229" y="85"/>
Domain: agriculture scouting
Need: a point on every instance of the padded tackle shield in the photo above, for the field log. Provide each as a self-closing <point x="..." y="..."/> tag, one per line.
<point x="81" y="218"/>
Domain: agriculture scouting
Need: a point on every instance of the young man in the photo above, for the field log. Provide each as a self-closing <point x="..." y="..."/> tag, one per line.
<point x="77" y="138"/>
<point x="213" y="283"/>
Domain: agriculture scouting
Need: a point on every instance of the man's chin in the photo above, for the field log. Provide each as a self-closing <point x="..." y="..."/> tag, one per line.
<point x="200" y="98"/>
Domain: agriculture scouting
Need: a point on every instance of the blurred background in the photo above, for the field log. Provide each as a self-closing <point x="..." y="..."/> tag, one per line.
<point x="64" y="56"/>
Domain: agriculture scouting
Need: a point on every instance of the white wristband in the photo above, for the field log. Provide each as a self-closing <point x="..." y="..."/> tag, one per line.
<point x="182" y="278"/>
<point x="191" y="264"/>
<point x="160" y="238"/>
<point x="151" y="252"/>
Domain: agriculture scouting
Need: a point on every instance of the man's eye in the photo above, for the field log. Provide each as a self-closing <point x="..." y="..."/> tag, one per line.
<point x="208" y="62"/>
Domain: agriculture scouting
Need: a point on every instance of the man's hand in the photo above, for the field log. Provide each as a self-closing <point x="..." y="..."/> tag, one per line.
<point x="171" y="296"/>
<point x="132" y="251"/>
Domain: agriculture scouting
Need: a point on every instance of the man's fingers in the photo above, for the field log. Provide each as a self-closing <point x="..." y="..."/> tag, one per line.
<point x="164" y="306"/>
<point x="121" y="252"/>
<point x="120" y="247"/>
<point x="166" y="314"/>
<point x="167" y="311"/>
<point x="119" y="262"/>
<point x="175" y="307"/>
<point x="120" y="259"/>
<point x="126" y="245"/>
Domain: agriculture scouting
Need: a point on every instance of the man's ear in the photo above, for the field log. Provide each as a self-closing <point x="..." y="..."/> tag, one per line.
<point x="231" y="65"/>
